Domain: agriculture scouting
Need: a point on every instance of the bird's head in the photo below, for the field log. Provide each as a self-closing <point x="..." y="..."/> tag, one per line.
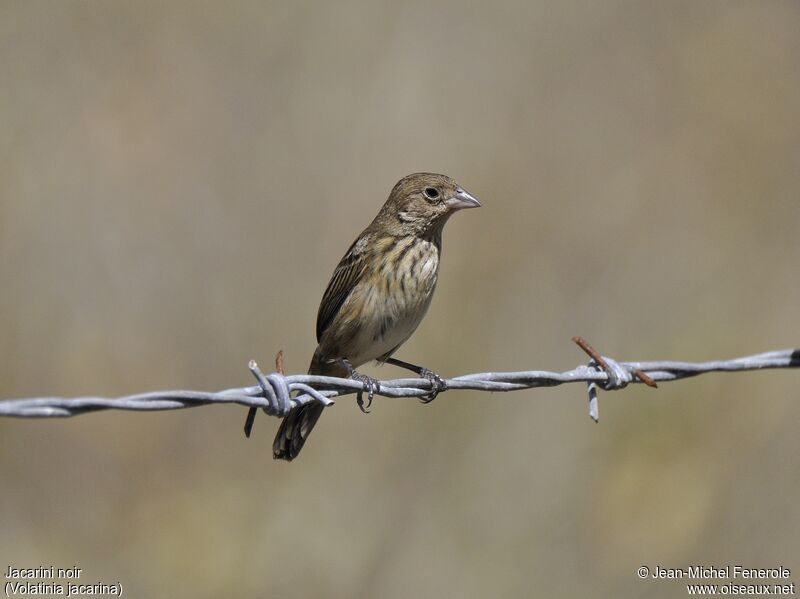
<point x="422" y="202"/>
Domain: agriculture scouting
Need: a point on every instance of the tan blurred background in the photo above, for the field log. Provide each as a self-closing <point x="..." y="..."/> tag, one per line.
<point x="178" y="182"/>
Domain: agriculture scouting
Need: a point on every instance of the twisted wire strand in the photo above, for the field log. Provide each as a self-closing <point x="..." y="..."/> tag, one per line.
<point x="277" y="393"/>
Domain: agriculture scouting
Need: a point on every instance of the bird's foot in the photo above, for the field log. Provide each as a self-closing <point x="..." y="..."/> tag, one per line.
<point x="370" y="385"/>
<point x="438" y="385"/>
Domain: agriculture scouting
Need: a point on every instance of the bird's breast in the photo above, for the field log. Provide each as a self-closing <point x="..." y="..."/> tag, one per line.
<point x="394" y="298"/>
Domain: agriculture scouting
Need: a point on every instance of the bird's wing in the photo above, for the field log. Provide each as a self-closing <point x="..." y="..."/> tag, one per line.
<point x="348" y="273"/>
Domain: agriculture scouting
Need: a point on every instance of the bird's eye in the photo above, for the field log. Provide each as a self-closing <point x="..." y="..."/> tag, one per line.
<point x="431" y="193"/>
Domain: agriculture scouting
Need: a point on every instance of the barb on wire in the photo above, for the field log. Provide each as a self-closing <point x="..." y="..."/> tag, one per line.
<point x="276" y="393"/>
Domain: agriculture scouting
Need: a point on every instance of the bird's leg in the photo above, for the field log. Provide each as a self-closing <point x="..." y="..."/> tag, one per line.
<point x="437" y="383"/>
<point x="371" y="385"/>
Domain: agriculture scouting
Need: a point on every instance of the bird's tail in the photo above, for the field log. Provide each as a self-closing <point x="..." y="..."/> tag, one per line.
<point x="298" y="424"/>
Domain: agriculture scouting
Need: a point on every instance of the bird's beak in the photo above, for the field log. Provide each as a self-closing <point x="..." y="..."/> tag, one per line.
<point x="462" y="199"/>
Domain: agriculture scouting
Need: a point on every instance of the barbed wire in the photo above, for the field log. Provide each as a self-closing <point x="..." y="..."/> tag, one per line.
<point x="276" y="393"/>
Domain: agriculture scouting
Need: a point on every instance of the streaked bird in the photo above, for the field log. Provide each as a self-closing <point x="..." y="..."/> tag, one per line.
<point x="379" y="293"/>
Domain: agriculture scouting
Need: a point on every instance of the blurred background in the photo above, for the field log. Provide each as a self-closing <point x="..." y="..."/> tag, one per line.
<point x="178" y="181"/>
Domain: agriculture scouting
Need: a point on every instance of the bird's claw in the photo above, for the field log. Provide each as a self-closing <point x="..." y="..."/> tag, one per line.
<point x="437" y="385"/>
<point x="371" y="386"/>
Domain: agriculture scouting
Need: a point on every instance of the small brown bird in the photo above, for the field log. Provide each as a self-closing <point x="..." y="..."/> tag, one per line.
<point x="379" y="294"/>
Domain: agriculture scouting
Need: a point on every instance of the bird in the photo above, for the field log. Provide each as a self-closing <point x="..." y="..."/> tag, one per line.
<point x="378" y="295"/>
